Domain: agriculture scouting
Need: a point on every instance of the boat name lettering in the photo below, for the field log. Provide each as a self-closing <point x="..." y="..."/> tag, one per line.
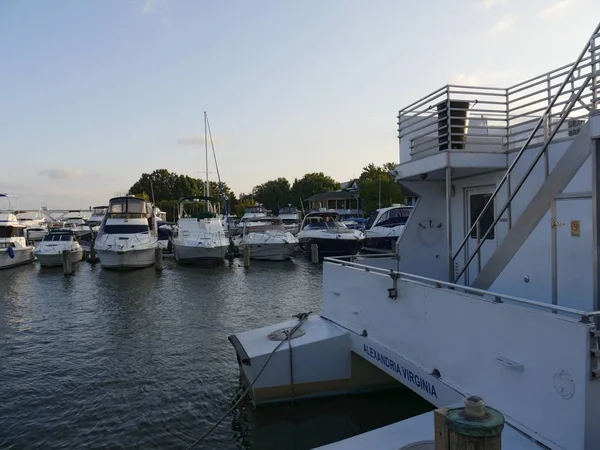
<point x="407" y="374"/>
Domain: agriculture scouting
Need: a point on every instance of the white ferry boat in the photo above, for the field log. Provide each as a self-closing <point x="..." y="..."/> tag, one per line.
<point x="494" y="285"/>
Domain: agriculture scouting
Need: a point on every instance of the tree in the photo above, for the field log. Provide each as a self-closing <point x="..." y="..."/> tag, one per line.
<point x="375" y="179"/>
<point x="311" y="184"/>
<point x="273" y="194"/>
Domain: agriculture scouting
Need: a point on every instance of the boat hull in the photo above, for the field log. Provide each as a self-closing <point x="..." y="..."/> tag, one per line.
<point x="332" y="246"/>
<point x="55" y="259"/>
<point x="270" y="252"/>
<point x="385" y="244"/>
<point x="186" y="254"/>
<point x="21" y="256"/>
<point x="126" y="259"/>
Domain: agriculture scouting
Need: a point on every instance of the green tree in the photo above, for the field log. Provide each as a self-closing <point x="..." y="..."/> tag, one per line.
<point x="273" y="194"/>
<point x="375" y="179"/>
<point x="310" y="184"/>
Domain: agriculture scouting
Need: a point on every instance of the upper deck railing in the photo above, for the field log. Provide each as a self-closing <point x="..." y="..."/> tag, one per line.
<point x="488" y="119"/>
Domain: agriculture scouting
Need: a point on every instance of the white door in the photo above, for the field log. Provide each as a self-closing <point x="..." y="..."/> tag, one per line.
<point x="574" y="251"/>
<point x="475" y="201"/>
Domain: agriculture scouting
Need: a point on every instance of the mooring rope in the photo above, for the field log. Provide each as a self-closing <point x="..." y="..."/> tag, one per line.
<point x="301" y="319"/>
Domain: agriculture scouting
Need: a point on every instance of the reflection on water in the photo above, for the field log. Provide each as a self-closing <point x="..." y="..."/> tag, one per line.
<point x="141" y="359"/>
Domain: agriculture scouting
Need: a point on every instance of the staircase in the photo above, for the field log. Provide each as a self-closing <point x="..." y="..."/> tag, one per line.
<point x="577" y="97"/>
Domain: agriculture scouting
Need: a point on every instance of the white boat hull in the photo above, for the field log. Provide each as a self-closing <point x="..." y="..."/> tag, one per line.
<point x="126" y="259"/>
<point x="21" y="256"/>
<point x="187" y="254"/>
<point x="271" y="252"/>
<point x="55" y="259"/>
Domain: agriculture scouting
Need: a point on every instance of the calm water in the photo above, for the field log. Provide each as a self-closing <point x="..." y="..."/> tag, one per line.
<point x="141" y="360"/>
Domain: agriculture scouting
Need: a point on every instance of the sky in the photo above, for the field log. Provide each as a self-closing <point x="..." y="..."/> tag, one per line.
<point x="95" y="93"/>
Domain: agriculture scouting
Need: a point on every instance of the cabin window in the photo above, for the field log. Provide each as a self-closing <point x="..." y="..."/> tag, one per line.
<point x="125" y="229"/>
<point x="9" y="231"/>
<point x="476" y="204"/>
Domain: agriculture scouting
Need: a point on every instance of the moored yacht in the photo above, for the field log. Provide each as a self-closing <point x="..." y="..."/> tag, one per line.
<point x="290" y="216"/>
<point x="324" y="229"/>
<point x="199" y="236"/>
<point x="49" y="252"/>
<point x="493" y="290"/>
<point x="384" y="227"/>
<point x="75" y="220"/>
<point x="267" y="239"/>
<point x="14" y="249"/>
<point x="128" y="235"/>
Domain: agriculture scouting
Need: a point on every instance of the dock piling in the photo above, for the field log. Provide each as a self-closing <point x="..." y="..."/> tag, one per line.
<point x="474" y="426"/>
<point x="158" y="264"/>
<point x="66" y="263"/>
<point x="314" y="253"/>
<point x="92" y="255"/>
<point x="246" y="256"/>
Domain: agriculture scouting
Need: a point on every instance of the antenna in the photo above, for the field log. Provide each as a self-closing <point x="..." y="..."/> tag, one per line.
<point x="206" y="187"/>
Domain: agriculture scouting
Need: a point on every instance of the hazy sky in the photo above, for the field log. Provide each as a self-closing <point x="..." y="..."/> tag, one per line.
<point x="96" y="92"/>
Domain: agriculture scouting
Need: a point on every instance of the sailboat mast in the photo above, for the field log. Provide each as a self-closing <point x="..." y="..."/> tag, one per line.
<point x="206" y="188"/>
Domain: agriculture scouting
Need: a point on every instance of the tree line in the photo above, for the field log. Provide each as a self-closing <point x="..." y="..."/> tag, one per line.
<point x="166" y="188"/>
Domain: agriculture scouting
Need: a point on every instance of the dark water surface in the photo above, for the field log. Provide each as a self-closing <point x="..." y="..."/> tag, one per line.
<point x="141" y="360"/>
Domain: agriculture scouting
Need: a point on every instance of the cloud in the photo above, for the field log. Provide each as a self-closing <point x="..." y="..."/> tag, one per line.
<point x="553" y="9"/>
<point x="149" y="6"/>
<point x="504" y="24"/>
<point x="489" y="4"/>
<point x="501" y="78"/>
<point x="60" y="174"/>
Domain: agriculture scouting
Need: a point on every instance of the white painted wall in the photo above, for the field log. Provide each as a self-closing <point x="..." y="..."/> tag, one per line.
<point x="463" y="335"/>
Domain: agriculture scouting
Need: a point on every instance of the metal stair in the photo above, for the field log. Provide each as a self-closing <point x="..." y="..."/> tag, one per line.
<point x="580" y="90"/>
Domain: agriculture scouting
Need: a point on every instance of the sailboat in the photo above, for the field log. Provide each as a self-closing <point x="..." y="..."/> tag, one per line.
<point x="200" y="236"/>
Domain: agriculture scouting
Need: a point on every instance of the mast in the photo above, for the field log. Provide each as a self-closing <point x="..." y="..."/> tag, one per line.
<point x="206" y="187"/>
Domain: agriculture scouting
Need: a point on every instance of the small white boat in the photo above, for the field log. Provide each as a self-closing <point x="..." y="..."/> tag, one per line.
<point x="267" y="239"/>
<point x="128" y="237"/>
<point x="384" y="227"/>
<point x="50" y="251"/>
<point x="199" y="236"/>
<point x="332" y="237"/>
<point x="35" y="225"/>
<point x="14" y="250"/>
<point x="290" y="216"/>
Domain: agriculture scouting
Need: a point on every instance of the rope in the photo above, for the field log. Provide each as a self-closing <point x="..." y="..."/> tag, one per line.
<point x="301" y="319"/>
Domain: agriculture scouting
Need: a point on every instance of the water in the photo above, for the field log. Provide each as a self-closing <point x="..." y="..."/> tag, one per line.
<point x="141" y="360"/>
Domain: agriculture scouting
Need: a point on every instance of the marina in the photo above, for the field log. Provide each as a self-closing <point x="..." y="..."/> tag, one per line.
<point x="331" y="297"/>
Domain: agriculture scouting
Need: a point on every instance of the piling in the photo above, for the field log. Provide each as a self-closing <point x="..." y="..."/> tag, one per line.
<point x="246" y="256"/>
<point x="66" y="262"/>
<point x="92" y="256"/>
<point x="314" y="253"/>
<point x="158" y="263"/>
<point x="474" y="426"/>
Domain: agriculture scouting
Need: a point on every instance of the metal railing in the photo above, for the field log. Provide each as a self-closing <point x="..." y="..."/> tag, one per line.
<point x="350" y="261"/>
<point x="488" y="119"/>
<point x="569" y="99"/>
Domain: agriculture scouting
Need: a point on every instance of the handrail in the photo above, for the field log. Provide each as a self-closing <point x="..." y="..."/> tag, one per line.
<point x="498" y="298"/>
<point x="568" y="107"/>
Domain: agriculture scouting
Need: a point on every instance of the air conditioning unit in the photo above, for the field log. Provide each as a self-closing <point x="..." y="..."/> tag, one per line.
<point x="573" y="126"/>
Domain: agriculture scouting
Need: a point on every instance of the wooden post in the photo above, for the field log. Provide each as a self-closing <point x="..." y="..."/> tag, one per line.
<point x="158" y="264"/>
<point x="92" y="256"/>
<point x="474" y="427"/>
<point x="246" y="256"/>
<point x="66" y="262"/>
<point x="314" y="253"/>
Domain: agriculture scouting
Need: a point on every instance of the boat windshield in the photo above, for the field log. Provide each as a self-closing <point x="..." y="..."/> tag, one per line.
<point x="288" y="210"/>
<point x="324" y="225"/>
<point x="57" y="237"/>
<point x="389" y="219"/>
<point x="128" y="207"/>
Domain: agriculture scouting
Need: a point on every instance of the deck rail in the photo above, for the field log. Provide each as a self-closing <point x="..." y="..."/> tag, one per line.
<point x="495" y="297"/>
<point x="491" y="119"/>
<point x="575" y="98"/>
